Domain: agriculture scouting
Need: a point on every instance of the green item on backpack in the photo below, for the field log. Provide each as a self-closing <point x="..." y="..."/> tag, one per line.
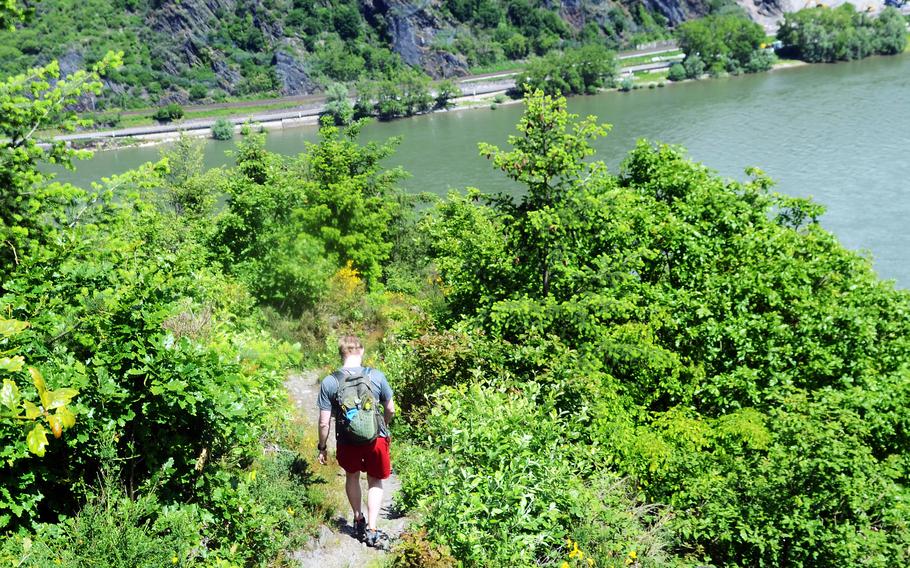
<point x="359" y="420"/>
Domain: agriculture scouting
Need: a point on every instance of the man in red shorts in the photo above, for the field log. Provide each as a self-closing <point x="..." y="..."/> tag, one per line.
<point x="373" y="457"/>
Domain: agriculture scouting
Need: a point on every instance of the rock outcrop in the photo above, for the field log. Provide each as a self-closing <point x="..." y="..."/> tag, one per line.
<point x="678" y="11"/>
<point x="290" y="69"/>
<point x="412" y="27"/>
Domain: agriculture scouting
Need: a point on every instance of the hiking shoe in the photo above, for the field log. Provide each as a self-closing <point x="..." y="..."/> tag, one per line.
<point x="360" y="526"/>
<point x="374" y="538"/>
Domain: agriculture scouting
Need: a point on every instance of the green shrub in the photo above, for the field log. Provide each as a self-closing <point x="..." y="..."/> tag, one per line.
<point x="415" y="551"/>
<point x="575" y="71"/>
<point x="694" y="66"/>
<point x="169" y="113"/>
<point x="198" y="91"/>
<point x="337" y="104"/>
<point x="223" y="129"/>
<point x="500" y="484"/>
<point x="445" y="92"/>
<point x="721" y="39"/>
<point x="116" y="531"/>
<point x="627" y="84"/>
<point x="677" y="72"/>
<point x="737" y="365"/>
<point x="842" y="33"/>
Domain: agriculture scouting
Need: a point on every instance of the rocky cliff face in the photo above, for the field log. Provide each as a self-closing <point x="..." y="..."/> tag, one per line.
<point x="412" y="27"/>
<point x="678" y="11"/>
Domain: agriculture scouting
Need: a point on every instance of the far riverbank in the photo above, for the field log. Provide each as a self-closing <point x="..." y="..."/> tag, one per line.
<point x="485" y="92"/>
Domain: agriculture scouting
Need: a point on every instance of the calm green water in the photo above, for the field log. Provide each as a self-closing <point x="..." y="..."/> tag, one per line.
<point x="838" y="133"/>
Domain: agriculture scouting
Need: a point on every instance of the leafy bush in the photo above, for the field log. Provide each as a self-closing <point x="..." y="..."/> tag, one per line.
<point x="677" y="72"/>
<point x="824" y="34"/>
<point x="223" y="129"/>
<point x="575" y="71"/>
<point x="694" y="67"/>
<point x="169" y="113"/>
<point x="703" y="338"/>
<point x="445" y="92"/>
<point x="725" y="40"/>
<point x="337" y="105"/>
<point x="198" y="91"/>
<point x="760" y="61"/>
<point x="499" y="484"/>
<point x="415" y="551"/>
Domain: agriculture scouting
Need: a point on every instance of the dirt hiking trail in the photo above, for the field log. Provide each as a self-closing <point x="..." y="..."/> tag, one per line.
<point x="336" y="546"/>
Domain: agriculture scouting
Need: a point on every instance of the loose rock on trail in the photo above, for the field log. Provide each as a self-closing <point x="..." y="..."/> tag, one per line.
<point x="336" y="546"/>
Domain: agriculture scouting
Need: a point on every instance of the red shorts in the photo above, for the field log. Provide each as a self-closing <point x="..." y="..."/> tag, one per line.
<point x="372" y="458"/>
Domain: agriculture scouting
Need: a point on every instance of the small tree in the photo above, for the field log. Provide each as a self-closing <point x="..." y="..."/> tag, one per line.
<point x="677" y="72"/>
<point x="694" y="67"/>
<point x="169" y="113"/>
<point x="223" y="129"/>
<point x="445" y="92"/>
<point x="548" y="156"/>
<point x="337" y="105"/>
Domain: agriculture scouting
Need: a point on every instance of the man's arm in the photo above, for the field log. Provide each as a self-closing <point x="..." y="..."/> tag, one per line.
<point x="389" y="411"/>
<point x="325" y="421"/>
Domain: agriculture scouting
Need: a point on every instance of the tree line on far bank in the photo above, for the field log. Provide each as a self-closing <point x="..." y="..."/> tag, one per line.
<point x="722" y="43"/>
<point x="731" y="43"/>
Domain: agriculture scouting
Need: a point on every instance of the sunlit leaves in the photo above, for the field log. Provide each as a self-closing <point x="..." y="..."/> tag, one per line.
<point x="20" y="409"/>
<point x="37" y="440"/>
<point x="10" y="327"/>
<point x="32" y="411"/>
<point x="9" y="395"/>
<point x="11" y="364"/>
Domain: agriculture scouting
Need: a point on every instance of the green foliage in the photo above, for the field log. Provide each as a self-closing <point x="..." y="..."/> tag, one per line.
<point x="575" y="71"/>
<point x="223" y="129"/>
<point x="677" y="72"/>
<point x="337" y="104"/>
<point x="169" y="113"/>
<point x="288" y="226"/>
<point x="694" y="67"/>
<point x="32" y="210"/>
<point x="246" y="518"/>
<point x="446" y="91"/>
<point x="824" y="34"/>
<point x="704" y="338"/>
<point x="415" y="551"/>
<point x="507" y="489"/>
<point x="401" y="93"/>
<point x="723" y="42"/>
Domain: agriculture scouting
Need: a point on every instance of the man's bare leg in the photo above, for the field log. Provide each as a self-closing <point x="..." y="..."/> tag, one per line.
<point x="374" y="501"/>
<point x="355" y="497"/>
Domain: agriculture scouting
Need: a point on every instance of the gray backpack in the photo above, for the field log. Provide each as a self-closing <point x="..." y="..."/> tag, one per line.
<point x="359" y="418"/>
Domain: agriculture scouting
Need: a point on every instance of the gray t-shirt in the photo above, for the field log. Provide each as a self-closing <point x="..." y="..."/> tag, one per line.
<point x="329" y="389"/>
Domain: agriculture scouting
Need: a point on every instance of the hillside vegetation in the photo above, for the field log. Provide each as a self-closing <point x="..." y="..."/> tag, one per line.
<point x="199" y="50"/>
<point x="652" y="367"/>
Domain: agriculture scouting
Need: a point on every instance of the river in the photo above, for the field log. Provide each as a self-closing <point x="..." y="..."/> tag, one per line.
<point x="838" y="133"/>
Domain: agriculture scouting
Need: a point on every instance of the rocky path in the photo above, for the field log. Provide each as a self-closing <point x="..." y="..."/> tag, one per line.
<point x="336" y="545"/>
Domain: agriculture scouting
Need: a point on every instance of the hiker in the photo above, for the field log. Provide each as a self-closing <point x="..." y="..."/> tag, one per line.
<point x="361" y="399"/>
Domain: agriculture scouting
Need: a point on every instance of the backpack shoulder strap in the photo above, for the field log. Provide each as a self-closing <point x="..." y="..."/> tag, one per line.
<point x="373" y="380"/>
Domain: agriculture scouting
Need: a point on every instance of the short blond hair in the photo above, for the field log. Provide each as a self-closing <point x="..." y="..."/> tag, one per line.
<point x="348" y="345"/>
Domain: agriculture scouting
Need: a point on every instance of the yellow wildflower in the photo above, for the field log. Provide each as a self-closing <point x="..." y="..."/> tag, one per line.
<point x="564" y="565"/>
<point x="575" y="552"/>
<point x="174" y="560"/>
